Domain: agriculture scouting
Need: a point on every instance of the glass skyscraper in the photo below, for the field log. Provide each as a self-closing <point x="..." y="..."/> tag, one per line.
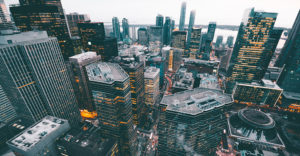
<point x="159" y="20"/>
<point x="182" y="16"/>
<point x="167" y="31"/>
<point x="251" y="54"/>
<point x="191" y="24"/>
<point x="116" y="28"/>
<point x="125" y="26"/>
<point x="34" y="75"/>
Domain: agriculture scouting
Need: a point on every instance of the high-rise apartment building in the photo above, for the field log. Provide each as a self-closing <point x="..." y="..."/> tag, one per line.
<point x="110" y="88"/>
<point x="92" y="37"/>
<point x="34" y="75"/>
<point x="79" y="78"/>
<point x="5" y="19"/>
<point x="151" y="85"/>
<point x="178" y="39"/>
<point x="44" y="16"/>
<point x="159" y="20"/>
<point x="191" y="25"/>
<point x="182" y="16"/>
<point x="251" y="54"/>
<point x="73" y="19"/>
<point x="7" y="111"/>
<point x="142" y="36"/>
<point x="194" y="47"/>
<point x="116" y="28"/>
<point x="191" y="122"/>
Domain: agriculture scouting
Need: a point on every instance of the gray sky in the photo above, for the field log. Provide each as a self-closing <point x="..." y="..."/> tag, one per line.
<point x="227" y="12"/>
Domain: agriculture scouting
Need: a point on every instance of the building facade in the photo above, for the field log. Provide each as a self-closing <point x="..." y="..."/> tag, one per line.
<point x="194" y="46"/>
<point x="142" y="36"/>
<point x="39" y="84"/>
<point x="7" y="112"/>
<point x="191" y="25"/>
<point x="75" y="18"/>
<point x="182" y="16"/>
<point x="151" y="85"/>
<point x="178" y="39"/>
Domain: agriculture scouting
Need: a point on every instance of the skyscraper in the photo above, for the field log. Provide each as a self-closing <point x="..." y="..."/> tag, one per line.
<point x="219" y="41"/>
<point x="229" y="41"/>
<point x="92" y="36"/>
<point x="207" y="41"/>
<point x="142" y="36"/>
<point x="172" y="26"/>
<point x="151" y="85"/>
<point x="178" y="39"/>
<point x="110" y="48"/>
<point x="167" y="31"/>
<point x="5" y="20"/>
<point x="182" y="16"/>
<point x="38" y="84"/>
<point x="125" y="27"/>
<point x="191" y="24"/>
<point x="73" y="19"/>
<point x="194" y="46"/>
<point x="116" y="28"/>
<point x="159" y="20"/>
<point x="45" y="16"/>
<point x="251" y="54"/>
<point x="191" y="122"/>
<point x="79" y="78"/>
<point x="289" y="79"/>
<point x="110" y="88"/>
<point x="211" y="31"/>
<point x="7" y="111"/>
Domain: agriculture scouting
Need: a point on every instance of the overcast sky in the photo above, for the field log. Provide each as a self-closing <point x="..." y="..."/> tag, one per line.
<point x="223" y="12"/>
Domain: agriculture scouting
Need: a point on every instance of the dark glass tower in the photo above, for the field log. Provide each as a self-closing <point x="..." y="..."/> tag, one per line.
<point x="143" y="36"/>
<point x="110" y="87"/>
<point x="73" y="19"/>
<point x="110" y="48"/>
<point x="47" y="17"/>
<point x="219" y="41"/>
<point x="125" y="27"/>
<point x="289" y="79"/>
<point x="92" y="37"/>
<point x="116" y="28"/>
<point x="167" y="31"/>
<point x="35" y="78"/>
<point x="191" y="24"/>
<point x="229" y="41"/>
<point x="159" y="20"/>
<point x="251" y="54"/>
<point x="182" y="16"/>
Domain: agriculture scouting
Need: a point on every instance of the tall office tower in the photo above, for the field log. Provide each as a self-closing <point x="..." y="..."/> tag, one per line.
<point x="219" y="41"/>
<point x="39" y="83"/>
<point x="160" y="63"/>
<point x="159" y="20"/>
<point x="251" y="54"/>
<point x="45" y="18"/>
<point x="191" y="122"/>
<point x="40" y="138"/>
<point x="191" y="25"/>
<point x="73" y="19"/>
<point x="116" y="28"/>
<point x="7" y="111"/>
<point x="167" y="31"/>
<point x="178" y="39"/>
<point x="142" y="36"/>
<point x="229" y="41"/>
<point x="182" y="16"/>
<point x="172" y="26"/>
<point x="195" y="38"/>
<point x="289" y="79"/>
<point x="211" y="31"/>
<point x="151" y="85"/>
<point x="274" y="37"/>
<point x="135" y="69"/>
<point x="110" y="88"/>
<point x="79" y="79"/>
<point x="125" y="27"/>
<point x="92" y="37"/>
<point x="56" y="3"/>
<point x="155" y="34"/>
<point x="5" y="20"/>
<point x="110" y="48"/>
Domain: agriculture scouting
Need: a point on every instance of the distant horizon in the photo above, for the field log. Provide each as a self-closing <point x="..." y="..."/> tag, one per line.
<point x="224" y="12"/>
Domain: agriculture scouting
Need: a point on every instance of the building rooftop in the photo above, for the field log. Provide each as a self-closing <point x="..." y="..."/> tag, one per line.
<point x="37" y="132"/>
<point x="254" y="126"/>
<point x="22" y="37"/>
<point x="264" y="83"/>
<point x="151" y="72"/>
<point x="105" y="72"/>
<point x="183" y="79"/>
<point x="204" y="62"/>
<point x="291" y="95"/>
<point x="196" y="101"/>
<point x="83" y="56"/>
<point x="208" y="81"/>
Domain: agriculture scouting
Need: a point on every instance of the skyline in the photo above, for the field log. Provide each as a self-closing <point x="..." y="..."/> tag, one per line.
<point x="143" y="14"/>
